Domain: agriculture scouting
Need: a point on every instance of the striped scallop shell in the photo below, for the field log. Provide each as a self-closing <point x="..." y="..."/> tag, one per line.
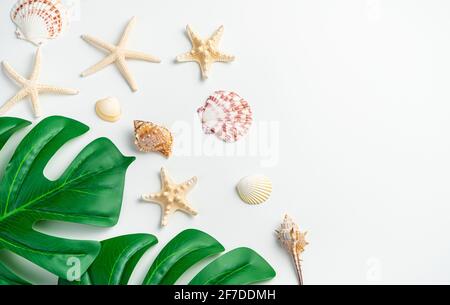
<point x="38" y="21"/>
<point x="226" y="115"/>
<point x="255" y="189"/>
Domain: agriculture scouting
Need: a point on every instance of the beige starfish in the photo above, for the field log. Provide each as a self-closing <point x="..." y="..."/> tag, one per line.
<point x="30" y="87"/>
<point x="205" y="52"/>
<point x="118" y="54"/>
<point x="172" y="197"/>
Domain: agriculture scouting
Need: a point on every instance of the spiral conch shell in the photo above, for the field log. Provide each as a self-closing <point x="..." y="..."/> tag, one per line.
<point x="153" y="138"/>
<point x="294" y="242"/>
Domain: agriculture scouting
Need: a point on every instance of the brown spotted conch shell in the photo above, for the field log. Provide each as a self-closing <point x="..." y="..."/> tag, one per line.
<point x="153" y="138"/>
<point x="294" y="242"/>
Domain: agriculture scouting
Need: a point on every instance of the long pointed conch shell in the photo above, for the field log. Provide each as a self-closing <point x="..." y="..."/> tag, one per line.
<point x="294" y="242"/>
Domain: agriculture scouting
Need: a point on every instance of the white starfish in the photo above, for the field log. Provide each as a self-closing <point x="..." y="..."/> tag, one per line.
<point x="30" y="87"/>
<point x="118" y="55"/>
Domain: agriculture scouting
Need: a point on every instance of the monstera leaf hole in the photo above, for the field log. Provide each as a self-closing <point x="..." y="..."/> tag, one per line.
<point x="62" y="159"/>
<point x="88" y="192"/>
<point x="25" y="272"/>
<point x="15" y="130"/>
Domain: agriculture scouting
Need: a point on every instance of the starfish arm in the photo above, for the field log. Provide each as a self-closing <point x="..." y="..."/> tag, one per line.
<point x="164" y="220"/>
<point x="165" y="179"/>
<point x="57" y="90"/>
<point x="195" y="39"/>
<point x="141" y="56"/>
<point x="35" y="102"/>
<point x="126" y="32"/>
<point x="11" y="102"/>
<point x="224" y="58"/>
<point x="10" y="72"/>
<point x="190" y="184"/>
<point x="215" y="38"/>
<point x="100" y="44"/>
<point x="205" y="67"/>
<point x="166" y="212"/>
<point x="150" y="198"/>
<point x="37" y="66"/>
<point x="125" y="71"/>
<point x="99" y="66"/>
<point x="183" y="206"/>
<point x="185" y="57"/>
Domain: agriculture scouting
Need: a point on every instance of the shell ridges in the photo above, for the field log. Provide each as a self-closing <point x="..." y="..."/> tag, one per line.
<point x="226" y="115"/>
<point x="38" y="21"/>
<point x="255" y="190"/>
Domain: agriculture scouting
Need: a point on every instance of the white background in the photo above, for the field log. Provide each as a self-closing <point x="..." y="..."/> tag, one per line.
<point x="359" y="90"/>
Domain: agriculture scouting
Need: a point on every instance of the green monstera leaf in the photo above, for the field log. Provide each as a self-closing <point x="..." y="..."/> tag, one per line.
<point x="89" y="192"/>
<point x="120" y="255"/>
<point x="117" y="260"/>
<point x="7" y="277"/>
<point x="242" y="266"/>
<point x="8" y="126"/>
<point x="185" y="250"/>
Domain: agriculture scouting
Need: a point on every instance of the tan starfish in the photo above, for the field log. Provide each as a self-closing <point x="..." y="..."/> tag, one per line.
<point x="118" y="54"/>
<point x="30" y="87"/>
<point x="205" y="52"/>
<point x="172" y="197"/>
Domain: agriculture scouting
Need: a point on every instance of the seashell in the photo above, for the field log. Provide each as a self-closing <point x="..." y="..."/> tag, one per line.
<point x="153" y="138"/>
<point x="294" y="242"/>
<point x="38" y="21"/>
<point x="226" y="115"/>
<point x="290" y="236"/>
<point x="255" y="189"/>
<point x="108" y="109"/>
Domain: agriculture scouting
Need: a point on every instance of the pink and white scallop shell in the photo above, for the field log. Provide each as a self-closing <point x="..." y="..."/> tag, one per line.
<point x="226" y="115"/>
<point x="38" y="21"/>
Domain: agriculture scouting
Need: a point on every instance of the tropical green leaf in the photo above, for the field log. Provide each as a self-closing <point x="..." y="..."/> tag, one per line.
<point x="242" y="266"/>
<point x="119" y="257"/>
<point x="89" y="192"/>
<point x="117" y="260"/>
<point x="185" y="250"/>
<point x="7" y="277"/>
<point x="8" y="126"/>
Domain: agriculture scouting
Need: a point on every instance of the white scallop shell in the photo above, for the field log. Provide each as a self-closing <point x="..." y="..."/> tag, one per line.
<point x="108" y="109"/>
<point x="226" y="115"/>
<point x="38" y="21"/>
<point x="255" y="189"/>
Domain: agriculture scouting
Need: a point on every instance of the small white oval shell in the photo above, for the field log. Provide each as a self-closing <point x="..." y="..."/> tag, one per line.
<point x="255" y="189"/>
<point x="109" y="109"/>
